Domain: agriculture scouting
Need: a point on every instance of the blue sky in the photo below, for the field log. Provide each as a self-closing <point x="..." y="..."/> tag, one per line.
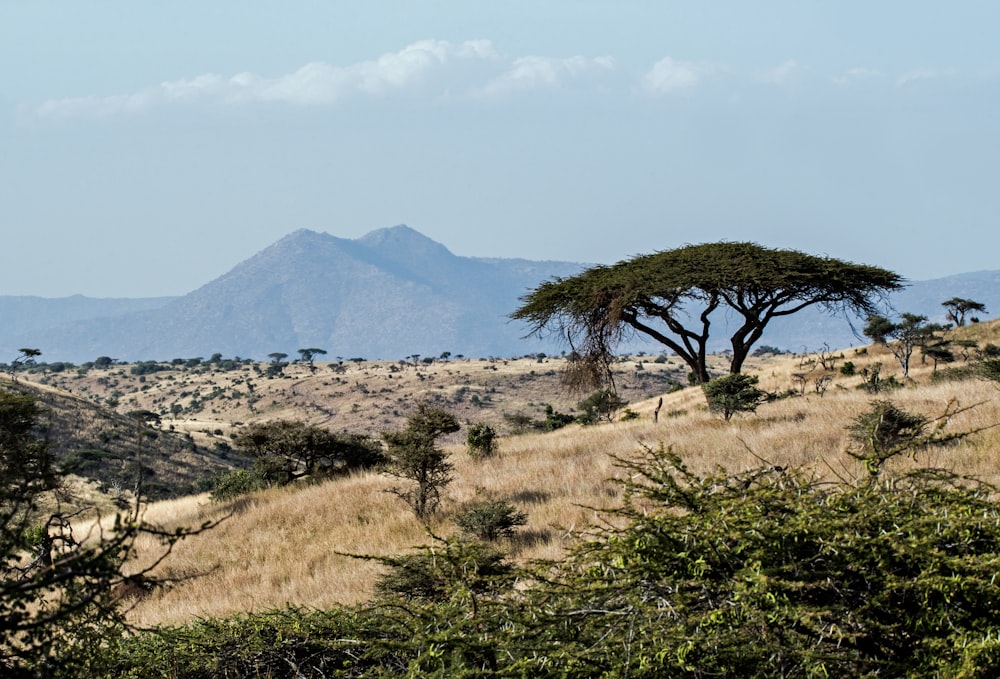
<point x="146" y="148"/>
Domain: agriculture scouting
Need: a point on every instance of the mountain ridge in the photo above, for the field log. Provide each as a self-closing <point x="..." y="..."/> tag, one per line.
<point x="389" y="294"/>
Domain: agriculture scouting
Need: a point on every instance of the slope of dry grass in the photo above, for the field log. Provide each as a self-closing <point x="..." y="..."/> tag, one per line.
<point x="285" y="546"/>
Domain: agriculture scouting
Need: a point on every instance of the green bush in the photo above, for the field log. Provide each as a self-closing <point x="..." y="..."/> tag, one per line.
<point x="481" y="440"/>
<point x="490" y="520"/>
<point x="731" y="394"/>
<point x="600" y="405"/>
<point x="236" y="483"/>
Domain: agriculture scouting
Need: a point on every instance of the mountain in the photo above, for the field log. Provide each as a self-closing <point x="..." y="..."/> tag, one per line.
<point x="390" y="294"/>
<point x="27" y="321"/>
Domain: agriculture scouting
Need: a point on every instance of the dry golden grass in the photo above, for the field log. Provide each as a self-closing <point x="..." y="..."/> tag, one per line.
<point x="286" y="546"/>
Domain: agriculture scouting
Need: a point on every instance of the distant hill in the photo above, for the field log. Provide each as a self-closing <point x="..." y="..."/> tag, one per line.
<point x="107" y="447"/>
<point x="391" y="294"/>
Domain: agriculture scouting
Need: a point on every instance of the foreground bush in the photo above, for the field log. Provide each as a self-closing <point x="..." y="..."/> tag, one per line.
<point x="768" y="573"/>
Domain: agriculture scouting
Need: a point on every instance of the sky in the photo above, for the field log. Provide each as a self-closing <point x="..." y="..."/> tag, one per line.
<point x="146" y="147"/>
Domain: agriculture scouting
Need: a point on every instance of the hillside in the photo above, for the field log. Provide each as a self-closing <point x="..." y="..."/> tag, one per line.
<point x="293" y="539"/>
<point x="105" y="451"/>
<point x="209" y="401"/>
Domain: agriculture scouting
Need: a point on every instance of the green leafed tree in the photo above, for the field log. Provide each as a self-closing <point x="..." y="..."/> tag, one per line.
<point x="415" y="457"/>
<point x="957" y="307"/>
<point x="58" y="577"/>
<point x="287" y="450"/>
<point x="731" y="394"/>
<point x="901" y="337"/>
<point x="672" y="297"/>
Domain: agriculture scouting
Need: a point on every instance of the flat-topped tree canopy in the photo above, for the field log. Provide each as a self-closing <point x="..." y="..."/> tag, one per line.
<point x="671" y="295"/>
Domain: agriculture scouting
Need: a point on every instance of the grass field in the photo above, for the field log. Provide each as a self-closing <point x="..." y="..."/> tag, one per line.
<point x="288" y="546"/>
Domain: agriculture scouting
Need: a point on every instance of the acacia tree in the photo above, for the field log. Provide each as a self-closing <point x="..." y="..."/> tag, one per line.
<point x="286" y="450"/>
<point x="671" y="297"/>
<point x="901" y="337"/>
<point x="309" y="355"/>
<point x="27" y="356"/>
<point x="413" y="456"/>
<point x="957" y="307"/>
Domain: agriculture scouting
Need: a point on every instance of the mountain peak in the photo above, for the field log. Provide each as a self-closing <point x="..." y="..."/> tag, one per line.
<point x="403" y="240"/>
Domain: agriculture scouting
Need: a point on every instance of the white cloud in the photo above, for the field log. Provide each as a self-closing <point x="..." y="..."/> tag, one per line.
<point x="316" y="83"/>
<point x="855" y="74"/>
<point x="670" y="75"/>
<point x="537" y="73"/>
<point x="782" y="73"/>
<point x="918" y="74"/>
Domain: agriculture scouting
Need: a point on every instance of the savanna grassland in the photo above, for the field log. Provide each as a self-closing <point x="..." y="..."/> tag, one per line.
<point x="292" y="545"/>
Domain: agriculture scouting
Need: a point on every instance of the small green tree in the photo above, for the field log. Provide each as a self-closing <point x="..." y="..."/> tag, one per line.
<point x="600" y="405"/>
<point x="901" y="337"/>
<point x="287" y="450"/>
<point x="490" y="520"/>
<point x="481" y="439"/>
<point x="734" y="393"/>
<point x="25" y="358"/>
<point x="957" y="307"/>
<point x="415" y="457"/>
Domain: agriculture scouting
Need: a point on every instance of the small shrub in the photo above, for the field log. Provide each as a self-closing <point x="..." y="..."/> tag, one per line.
<point x="490" y="520"/>
<point x="236" y="483"/>
<point x="481" y="440"/>
<point x="731" y="394"/>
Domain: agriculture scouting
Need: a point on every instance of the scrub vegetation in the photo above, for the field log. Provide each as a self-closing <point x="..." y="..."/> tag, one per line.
<point x="848" y="530"/>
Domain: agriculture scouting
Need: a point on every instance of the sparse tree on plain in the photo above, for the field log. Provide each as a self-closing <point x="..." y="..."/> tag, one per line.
<point x="26" y="357"/>
<point x="901" y="337"/>
<point x="415" y="457"/>
<point x="670" y="297"/>
<point x="309" y="355"/>
<point x="957" y="307"/>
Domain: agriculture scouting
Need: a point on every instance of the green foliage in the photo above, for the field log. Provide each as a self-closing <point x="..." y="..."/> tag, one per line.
<point x="670" y="296"/>
<point x="734" y="393"/>
<point x="770" y="572"/>
<point x="600" y="405"/>
<point x="481" y="440"/>
<point x="490" y="520"/>
<point x="767" y="350"/>
<point x="874" y="383"/>
<point x="57" y="604"/>
<point x="903" y="336"/>
<point x="958" y="307"/>
<point x="432" y="573"/>
<point x="415" y="457"/>
<point x="555" y="420"/>
<point x="287" y="450"/>
<point x="773" y="573"/>
<point x="848" y="369"/>
<point x="148" y="367"/>
<point x="236" y="483"/>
